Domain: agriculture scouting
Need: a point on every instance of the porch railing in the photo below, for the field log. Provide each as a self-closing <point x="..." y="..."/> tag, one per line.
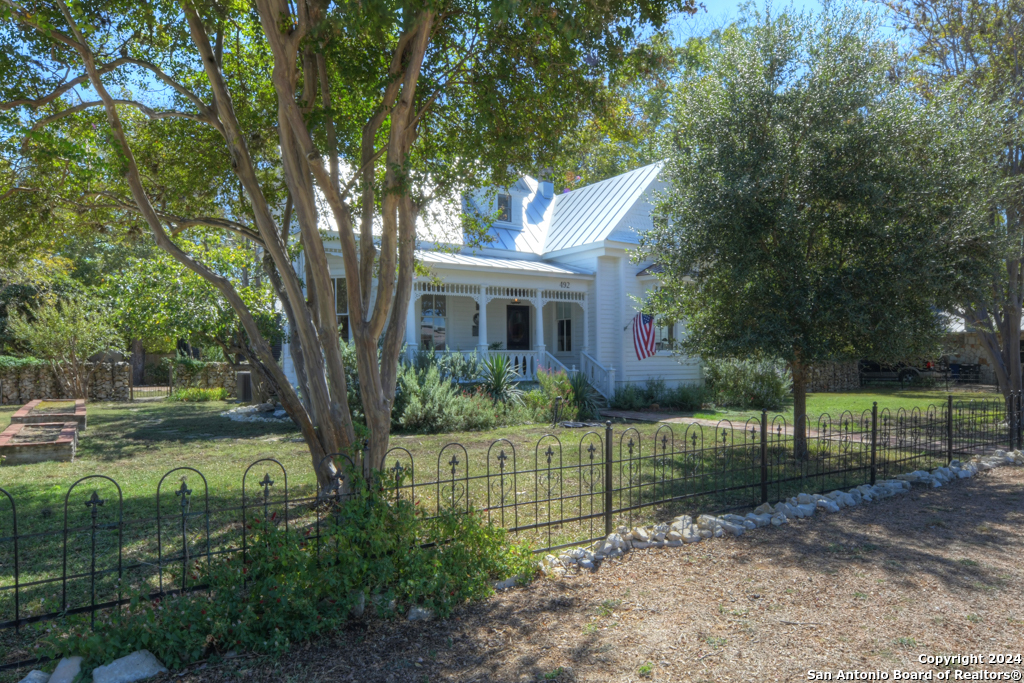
<point x="601" y="378"/>
<point x="552" y="364"/>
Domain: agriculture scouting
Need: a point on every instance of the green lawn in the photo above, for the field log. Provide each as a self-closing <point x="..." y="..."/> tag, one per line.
<point x="856" y="402"/>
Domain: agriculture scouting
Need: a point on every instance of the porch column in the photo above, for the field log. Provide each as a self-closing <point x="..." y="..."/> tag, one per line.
<point x="586" y="326"/>
<point x="481" y="340"/>
<point x="538" y="307"/>
<point x="412" y="325"/>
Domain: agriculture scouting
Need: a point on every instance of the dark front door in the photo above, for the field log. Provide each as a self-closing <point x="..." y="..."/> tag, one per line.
<point x="518" y="328"/>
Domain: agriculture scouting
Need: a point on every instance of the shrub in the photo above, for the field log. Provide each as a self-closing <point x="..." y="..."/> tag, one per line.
<point x="197" y="395"/>
<point x="13" y="363"/>
<point x="748" y="384"/>
<point x="498" y="378"/>
<point x="282" y="592"/>
<point x="634" y="397"/>
<point x="629" y="396"/>
<point x="584" y="396"/>
<point x="687" y="397"/>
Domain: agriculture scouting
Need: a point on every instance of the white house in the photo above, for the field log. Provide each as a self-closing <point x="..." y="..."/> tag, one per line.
<point x="552" y="290"/>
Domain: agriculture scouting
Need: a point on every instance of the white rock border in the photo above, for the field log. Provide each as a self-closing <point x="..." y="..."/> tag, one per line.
<point x="684" y="529"/>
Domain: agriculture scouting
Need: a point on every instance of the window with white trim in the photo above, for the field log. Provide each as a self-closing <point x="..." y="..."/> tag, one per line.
<point x="505" y="207"/>
<point x="664" y="334"/>
<point x="341" y="306"/>
<point x="563" y="324"/>
<point x="433" y="312"/>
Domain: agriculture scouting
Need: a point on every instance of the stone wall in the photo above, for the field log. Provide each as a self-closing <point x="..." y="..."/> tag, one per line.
<point x="222" y="375"/>
<point x="21" y="385"/>
<point x="839" y="376"/>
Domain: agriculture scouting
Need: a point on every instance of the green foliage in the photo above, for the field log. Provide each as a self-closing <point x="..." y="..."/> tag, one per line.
<point x="187" y="371"/>
<point x="66" y="334"/>
<point x="13" y="363"/>
<point x="159" y="301"/>
<point x="584" y="396"/>
<point x="499" y="379"/>
<point x="579" y="398"/>
<point x="748" y="384"/>
<point x="806" y="210"/>
<point x="281" y="593"/>
<point x="195" y="394"/>
<point x="687" y="398"/>
<point x="455" y="367"/>
<point x="431" y="405"/>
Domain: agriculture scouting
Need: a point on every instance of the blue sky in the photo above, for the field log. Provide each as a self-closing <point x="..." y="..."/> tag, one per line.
<point x="718" y="13"/>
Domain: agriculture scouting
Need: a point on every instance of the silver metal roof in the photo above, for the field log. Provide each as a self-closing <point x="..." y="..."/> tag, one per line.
<point x="445" y="259"/>
<point x="590" y="213"/>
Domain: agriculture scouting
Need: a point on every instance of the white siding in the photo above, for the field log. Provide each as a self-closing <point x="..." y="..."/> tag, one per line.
<point x="662" y="365"/>
<point x="460" y="323"/>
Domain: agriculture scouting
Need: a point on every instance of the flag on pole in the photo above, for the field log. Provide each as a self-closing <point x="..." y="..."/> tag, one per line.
<point x="643" y="335"/>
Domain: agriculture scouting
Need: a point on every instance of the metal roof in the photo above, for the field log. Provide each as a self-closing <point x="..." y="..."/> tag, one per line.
<point x="590" y="213"/>
<point x="445" y="259"/>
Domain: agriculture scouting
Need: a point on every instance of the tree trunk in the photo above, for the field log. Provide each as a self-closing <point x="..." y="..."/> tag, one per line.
<point x="799" y="371"/>
<point x="138" y="361"/>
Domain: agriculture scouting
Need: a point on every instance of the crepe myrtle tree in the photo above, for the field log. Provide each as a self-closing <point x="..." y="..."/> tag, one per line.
<point x="378" y="108"/>
<point x="808" y="201"/>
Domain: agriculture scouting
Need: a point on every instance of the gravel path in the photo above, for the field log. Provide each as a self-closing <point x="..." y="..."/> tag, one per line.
<point x="934" y="572"/>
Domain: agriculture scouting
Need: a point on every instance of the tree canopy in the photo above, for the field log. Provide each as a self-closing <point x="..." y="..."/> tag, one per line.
<point x="808" y="199"/>
<point x="245" y="118"/>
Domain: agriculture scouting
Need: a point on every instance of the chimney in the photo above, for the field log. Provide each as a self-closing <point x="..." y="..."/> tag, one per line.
<point x="547" y="189"/>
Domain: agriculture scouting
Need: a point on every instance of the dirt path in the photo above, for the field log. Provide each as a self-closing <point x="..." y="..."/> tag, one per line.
<point x="937" y="571"/>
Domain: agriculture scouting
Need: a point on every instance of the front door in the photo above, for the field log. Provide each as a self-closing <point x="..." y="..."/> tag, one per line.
<point x="518" y="328"/>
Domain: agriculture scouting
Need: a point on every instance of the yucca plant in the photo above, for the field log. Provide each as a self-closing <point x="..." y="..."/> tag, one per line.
<point x="584" y="395"/>
<point x="498" y="378"/>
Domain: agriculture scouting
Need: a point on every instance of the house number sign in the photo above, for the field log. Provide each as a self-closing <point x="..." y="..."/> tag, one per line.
<point x="563" y="284"/>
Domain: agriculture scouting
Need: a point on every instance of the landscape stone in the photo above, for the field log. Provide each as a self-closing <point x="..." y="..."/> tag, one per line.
<point x="764" y="509"/>
<point x="36" y="676"/>
<point x="734" y="529"/>
<point x="138" y="666"/>
<point x="827" y="505"/>
<point x="807" y="509"/>
<point x="586" y="564"/>
<point x="67" y="670"/>
<point x="778" y="519"/>
<point x="417" y="613"/>
<point x="640" y="534"/>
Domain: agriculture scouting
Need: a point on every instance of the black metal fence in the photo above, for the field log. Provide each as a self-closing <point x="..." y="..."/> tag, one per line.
<point x="90" y="555"/>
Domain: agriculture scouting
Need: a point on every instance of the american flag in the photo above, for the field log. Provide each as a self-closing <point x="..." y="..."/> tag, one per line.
<point x="643" y="335"/>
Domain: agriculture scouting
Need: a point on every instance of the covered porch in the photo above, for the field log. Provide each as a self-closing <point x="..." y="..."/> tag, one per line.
<point x="534" y="327"/>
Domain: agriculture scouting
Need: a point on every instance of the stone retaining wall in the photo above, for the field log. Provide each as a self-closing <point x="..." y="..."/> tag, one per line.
<point x="213" y="376"/>
<point x="839" y="376"/>
<point x="110" y="382"/>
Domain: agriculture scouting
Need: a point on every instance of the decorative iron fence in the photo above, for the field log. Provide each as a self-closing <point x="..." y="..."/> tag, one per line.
<point x="92" y="554"/>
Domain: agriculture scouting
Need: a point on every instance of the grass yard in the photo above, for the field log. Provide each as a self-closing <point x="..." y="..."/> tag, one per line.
<point x="855" y="402"/>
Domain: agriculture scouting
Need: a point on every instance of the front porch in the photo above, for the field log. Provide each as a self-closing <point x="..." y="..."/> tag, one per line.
<point x="535" y="328"/>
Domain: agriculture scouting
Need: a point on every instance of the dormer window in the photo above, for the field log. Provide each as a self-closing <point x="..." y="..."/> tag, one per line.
<point x="505" y="207"/>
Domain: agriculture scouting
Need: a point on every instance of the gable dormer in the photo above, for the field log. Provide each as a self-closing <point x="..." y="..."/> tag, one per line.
<point x="525" y="211"/>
